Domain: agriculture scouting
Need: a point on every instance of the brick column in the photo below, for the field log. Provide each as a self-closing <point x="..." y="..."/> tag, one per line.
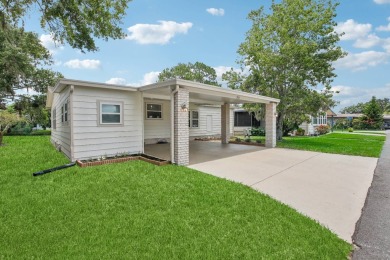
<point x="225" y="123"/>
<point x="270" y="125"/>
<point x="181" y="129"/>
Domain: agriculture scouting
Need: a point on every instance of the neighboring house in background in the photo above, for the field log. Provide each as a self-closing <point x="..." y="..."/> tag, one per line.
<point x="90" y="119"/>
<point x="245" y="120"/>
<point x="322" y="119"/>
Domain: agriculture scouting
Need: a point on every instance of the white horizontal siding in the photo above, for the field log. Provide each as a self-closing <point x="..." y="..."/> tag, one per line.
<point x="92" y="140"/>
<point x="158" y="128"/>
<point x="60" y="135"/>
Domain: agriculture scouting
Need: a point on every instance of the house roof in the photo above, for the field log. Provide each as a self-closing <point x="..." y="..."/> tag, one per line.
<point x="199" y="93"/>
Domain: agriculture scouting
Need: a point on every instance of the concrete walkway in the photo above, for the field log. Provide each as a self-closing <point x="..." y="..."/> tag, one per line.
<point x="329" y="188"/>
<point x="372" y="235"/>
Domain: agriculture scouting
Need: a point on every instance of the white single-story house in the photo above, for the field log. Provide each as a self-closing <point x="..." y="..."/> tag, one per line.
<point x="91" y="119"/>
<point x="321" y="119"/>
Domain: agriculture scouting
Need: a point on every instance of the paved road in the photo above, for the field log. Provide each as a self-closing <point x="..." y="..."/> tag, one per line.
<point x="372" y="234"/>
<point x="329" y="188"/>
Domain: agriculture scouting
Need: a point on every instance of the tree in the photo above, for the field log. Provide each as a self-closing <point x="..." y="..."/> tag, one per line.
<point x="198" y="72"/>
<point x="7" y="119"/>
<point x="33" y="108"/>
<point x="289" y="53"/>
<point x="372" y="115"/>
<point x="76" y="22"/>
<point x="354" y="109"/>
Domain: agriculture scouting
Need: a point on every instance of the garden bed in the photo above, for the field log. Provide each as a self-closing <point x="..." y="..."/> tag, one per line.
<point x="110" y="160"/>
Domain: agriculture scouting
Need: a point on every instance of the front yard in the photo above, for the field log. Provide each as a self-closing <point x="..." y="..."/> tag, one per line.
<point x="138" y="210"/>
<point x="339" y="143"/>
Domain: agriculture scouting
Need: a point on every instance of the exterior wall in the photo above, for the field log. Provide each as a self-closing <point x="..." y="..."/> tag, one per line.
<point x="159" y="129"/>
<point x="60" y="135"/>
<point x="308" y="127"/>
<point x="92" y="140"/>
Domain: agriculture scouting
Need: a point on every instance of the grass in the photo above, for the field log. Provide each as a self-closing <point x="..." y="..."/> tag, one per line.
<point x="138" y="210"/>
<point x="339" y="143"/>
<point x="372" y="132"/>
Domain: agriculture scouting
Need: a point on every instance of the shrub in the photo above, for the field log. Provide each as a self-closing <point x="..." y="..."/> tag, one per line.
<point x="259" y="131"/>
<point x="350" y="129"/>
<point x="248" y="140"/>
<point x="41" y="132"/>
<point x="300" y="132"/>
<point x="258" y="141"/>
<point x="238" y="139"/>
<point x="323" y="129"/>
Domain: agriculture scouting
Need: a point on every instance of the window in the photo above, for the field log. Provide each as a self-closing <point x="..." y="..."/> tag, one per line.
<point x="110" y="113"/>
<point x="64" y="112"/>
<point x="193" y="118"/>
<point x="320" y="120"/>
<point x="153" y="111"/>
<point x="54" y="118"/>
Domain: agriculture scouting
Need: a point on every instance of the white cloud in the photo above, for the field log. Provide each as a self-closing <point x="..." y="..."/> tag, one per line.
<point x="363" y="60"/>
<point x="384" y="28"/>
<point x="82" y="64"/>
<point x="160" y="33"/>
<point x="150" y="77"/>
<point x="369" y="41"/>
<point x="216" y="11"/>
<point x="49" y="43"/>
<point x="352" y="29"/>
<point x="116" y="81"/>
<point x="382" y="1"/>
<point x="352" y="95"/>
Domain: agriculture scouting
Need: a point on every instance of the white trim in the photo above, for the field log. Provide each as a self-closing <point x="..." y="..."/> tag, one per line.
<point x="191" y="119"/>
<point x="100" y="112"/>
<point x="147" y="110"/>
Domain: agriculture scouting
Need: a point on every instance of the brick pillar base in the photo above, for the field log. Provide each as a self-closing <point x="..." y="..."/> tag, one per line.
<point x="270" y="125"/>
<point x="181" y="130"/>
<point x="225" y="123"/>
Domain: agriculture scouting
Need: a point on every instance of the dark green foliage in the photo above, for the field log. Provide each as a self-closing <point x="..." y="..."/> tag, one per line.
<point x="359" y="108"/>
<point x="372" y="115"/>
<point x="258" y="131"/>
<point x="197" y="71"/>
<point x="41" y="132"/>
<point x="136" y="210"/>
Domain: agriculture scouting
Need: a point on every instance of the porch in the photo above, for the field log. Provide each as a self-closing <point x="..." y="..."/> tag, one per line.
<point x="203" y="151"/>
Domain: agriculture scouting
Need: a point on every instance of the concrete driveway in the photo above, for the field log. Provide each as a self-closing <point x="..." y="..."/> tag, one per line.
<point x="329" y="188"/>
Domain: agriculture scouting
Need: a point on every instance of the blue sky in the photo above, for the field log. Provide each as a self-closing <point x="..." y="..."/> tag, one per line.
<point x="164" y="33"/>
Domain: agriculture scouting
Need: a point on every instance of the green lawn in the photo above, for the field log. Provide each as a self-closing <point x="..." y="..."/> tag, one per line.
<point x="339" y="143"/>
<point x="138" y="210"/>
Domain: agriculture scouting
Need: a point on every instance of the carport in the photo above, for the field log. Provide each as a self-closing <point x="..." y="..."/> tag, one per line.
<point x="182" y="92"/>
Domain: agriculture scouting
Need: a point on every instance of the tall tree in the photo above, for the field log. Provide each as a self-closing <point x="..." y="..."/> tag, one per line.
<point x="372" y="115"/>
<point x="354" y="109"/>
<point x="197" y="71"/>
<point x="7" y="119"/>
<point x="289" y="52"/>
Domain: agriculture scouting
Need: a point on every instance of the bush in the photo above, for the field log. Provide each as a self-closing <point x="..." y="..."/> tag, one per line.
<point x="300" y="132"/>
<point x="323" y="129"/>
<point x="41" y="132"/>
<point x="258" y="141"/>
<point x="258" y="131"/>
<point x="248" y="140"/>
<point x="238" y="139"/>
<point x="350" y="129"/>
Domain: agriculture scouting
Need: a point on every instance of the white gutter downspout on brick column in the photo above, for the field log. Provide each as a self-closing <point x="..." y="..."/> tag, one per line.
<point x="173" y="123"/>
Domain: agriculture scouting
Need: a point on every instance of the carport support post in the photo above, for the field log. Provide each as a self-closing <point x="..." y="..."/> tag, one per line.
<point x="181" y="129"/>
<point x="270" y="125"/>
<point x="225" y="123"/>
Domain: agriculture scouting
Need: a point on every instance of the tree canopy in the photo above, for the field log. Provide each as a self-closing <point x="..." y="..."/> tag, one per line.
<point x="197" y="71"/>
<point x="289" y="53"/>
<point x="372" y="115"/>
<point x="384" y="105"/>
<point x="76" y="22"/>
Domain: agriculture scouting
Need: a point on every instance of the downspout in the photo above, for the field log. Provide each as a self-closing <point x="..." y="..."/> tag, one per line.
<point x="173" y="123"/>
<point x="71" y="123"/>
<point x="143" y="121"/>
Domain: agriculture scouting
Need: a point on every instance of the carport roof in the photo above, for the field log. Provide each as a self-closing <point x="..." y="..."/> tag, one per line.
<point x="203" y="92"/>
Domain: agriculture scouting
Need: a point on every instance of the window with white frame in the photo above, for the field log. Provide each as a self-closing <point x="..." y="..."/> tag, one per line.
<point x="193" y="118"/>
<point x="110" y="113"/>
<point x="54" y="118"/>
<point x="64" y="112"/>
<point x="153" y="111"/>
<point x="319" y="120"/>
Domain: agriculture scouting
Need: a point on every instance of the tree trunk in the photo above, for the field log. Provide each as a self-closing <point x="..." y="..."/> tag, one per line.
<point x="279" y="127"/>
<point x="1" y="138"/>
